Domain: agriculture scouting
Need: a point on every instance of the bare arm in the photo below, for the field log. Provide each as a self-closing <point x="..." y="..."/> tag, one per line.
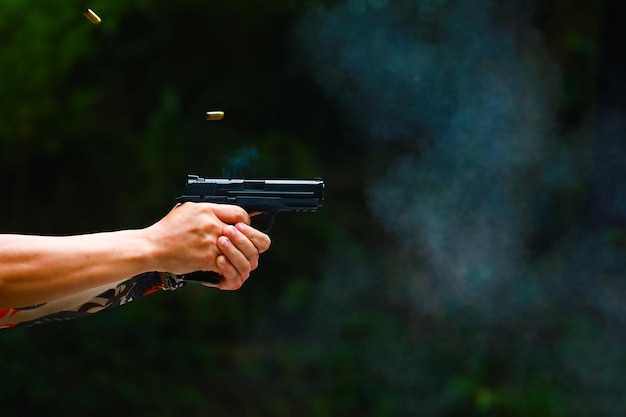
<point x="35" y="269"/>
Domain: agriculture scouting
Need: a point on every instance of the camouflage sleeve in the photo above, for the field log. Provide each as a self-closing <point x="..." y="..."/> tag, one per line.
<point x="89" y="302"/>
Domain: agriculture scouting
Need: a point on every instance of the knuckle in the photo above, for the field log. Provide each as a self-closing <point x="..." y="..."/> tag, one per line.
<point x="234" y="285"/>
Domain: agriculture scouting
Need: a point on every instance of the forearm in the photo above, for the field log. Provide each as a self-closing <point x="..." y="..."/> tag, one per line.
<point x="38" y="269"/>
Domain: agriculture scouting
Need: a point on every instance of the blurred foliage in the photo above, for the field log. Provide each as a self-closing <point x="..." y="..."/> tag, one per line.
<point x="99" y="126"/>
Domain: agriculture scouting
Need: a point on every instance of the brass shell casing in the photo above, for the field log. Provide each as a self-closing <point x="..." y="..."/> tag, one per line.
<point x="214" y="115"/>
<point x="92" y="17"/>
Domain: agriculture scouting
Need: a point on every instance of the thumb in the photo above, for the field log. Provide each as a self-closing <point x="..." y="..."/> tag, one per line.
<point x="231" y="214"/>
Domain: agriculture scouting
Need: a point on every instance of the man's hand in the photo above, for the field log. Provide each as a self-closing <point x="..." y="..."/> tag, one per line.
<point x="208" y="237"/>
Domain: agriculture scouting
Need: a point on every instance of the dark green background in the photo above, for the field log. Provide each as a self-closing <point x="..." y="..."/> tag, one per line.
<point x="467" y="261"/>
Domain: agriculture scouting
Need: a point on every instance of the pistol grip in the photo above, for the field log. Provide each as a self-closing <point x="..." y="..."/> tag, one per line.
<point x="205" y="277"/>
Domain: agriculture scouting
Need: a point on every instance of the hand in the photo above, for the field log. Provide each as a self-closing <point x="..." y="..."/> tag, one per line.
<point x="240" y="246"/>
<point x="201" y="236"/>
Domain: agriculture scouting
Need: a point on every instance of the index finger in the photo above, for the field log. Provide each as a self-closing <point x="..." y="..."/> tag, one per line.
<point x="231" y="214"/>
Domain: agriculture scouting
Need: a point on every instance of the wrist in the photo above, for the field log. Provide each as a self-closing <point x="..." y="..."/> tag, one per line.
<point x="152" y="256"/>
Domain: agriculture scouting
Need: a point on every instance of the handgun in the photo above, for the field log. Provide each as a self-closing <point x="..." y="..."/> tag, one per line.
<point x="269" y="196"/>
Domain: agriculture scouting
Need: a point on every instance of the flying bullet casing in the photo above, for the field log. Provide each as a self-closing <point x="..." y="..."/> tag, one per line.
<point x="92" y="17"/>
<point x="214" y="115"/>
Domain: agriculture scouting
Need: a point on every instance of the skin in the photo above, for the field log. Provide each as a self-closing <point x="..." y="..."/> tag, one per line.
<point x="191" y="237"/>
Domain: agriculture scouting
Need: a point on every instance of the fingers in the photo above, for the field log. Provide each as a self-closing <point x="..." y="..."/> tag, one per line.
<point x="229" y="277"/>
<point x="240" y="246"/>
<point x="234" y="267"/>
<point x="259" y="239"/>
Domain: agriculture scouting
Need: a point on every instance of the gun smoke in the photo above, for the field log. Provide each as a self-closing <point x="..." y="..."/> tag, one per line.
<point x="470" y="89"/>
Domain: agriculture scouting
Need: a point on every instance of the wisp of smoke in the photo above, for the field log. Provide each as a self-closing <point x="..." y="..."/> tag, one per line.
<point x="474" y="97"/>
<point x="476" y="101"/>
<point x="237" y="164"/>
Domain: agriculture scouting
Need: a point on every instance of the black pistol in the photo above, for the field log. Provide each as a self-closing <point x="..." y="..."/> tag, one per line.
<point x="267" y="196"/>
<point x="256" y="196"/>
